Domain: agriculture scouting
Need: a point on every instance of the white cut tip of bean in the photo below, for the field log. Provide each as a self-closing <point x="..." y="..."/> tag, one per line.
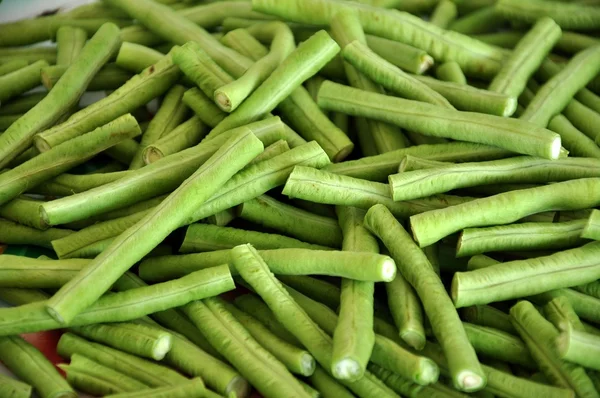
<point x="511" y="107"/>
<point x="238" y="387"/>
<point x="469" y="381"/>
<point x="555" y="149"/>
<point x="346" y="369"/>
<point x="388" y="270"/>
<point x="426" y="63"/>
<point x="152" y="154"/>
<point x="162" y="347"/>
<point x="429" y="374"/>
<point x="222" y="101"/>
<point x="308" y="365"/>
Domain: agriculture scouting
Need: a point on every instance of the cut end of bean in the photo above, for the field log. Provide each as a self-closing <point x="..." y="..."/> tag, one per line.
<point x="468" y="381"/>
<point x="56" y="315"/>
<point x="238" y="387"/>
<point x="388" y="270"/>
<point x="152" y="154"/>
<point x="41" y="144"/>
<point x="511" y="107"/>
<point x="343" y="153"/>
<point x="429" y="373"/>
<point x="426" y="63"/>
<point x="308" y="365"/>
<point x="556" y="148"/>
<point x="413" y="338"/>
<point x="347" y="369"/>
<point x="223" y="101"/>
<point x="162" y="347"/>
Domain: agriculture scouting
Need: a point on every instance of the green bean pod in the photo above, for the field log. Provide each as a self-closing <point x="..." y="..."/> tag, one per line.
<point x="505" y="280"/>
<point x="591" y="230"/>
<point x="379" y="167"/>
<point x="13" y="388"/>
<point x="561" y="314"/>
<point x="525" y="137"/>
<point x="12" y="233"/>
<point x="250" y="48"/>
<point x="21" y="104"/>
<point x="65" y="156"/>
<point x="67" y="247"/>
<point x="234" y="342"/>
<point x="578" y="347"/>
<point x="406" y="311"/>
<point x="494" y="343"/>
<point x="92" y="377"/>
<point x="333" y="189"/>
<point x="405" y="57"/>
<point x="524" y="236"/>
<point x="474" y="57"/>
<point x="556" y="93"/>
<point x="69" y="43"/>
<point x="389" y="76"/>
<point x="504" y="208"/>
<point x="353" y="337"/>
<point x="139" y="90"/>
<point x="142" y="370"/>
<point x="472" y="99"/>
<point x="567" y="16"/>
<point x="488" y="316"/>
<point x="526" y="58"/>
<point x="186" y="135"/>
<point x="172" y="170"/>
<point x="465" y="368"/>
<point x="109" y="77"/>
<point x="255" y="271"/>
<point x="171" y="114"/>
<point x="327" y="385"/>
<point x="135" y="57"/>
<point x="11" y="66"/>
<point x="539" y="335"/>
<point x="450" y="72"/>
<point x="25" y="272"/>
<point x="193" y="388"/>
<point x="137" y="339"/>
<point x="443" y="14"/>
<point x="64" y="96"/>
<point x="31" y="366"/>
<point x="21" y="80"/>
<point x="203" y="107"/>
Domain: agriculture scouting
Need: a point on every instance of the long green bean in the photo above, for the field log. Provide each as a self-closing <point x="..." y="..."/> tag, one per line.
<point x="539" y="335"/>
<point x="444" y="14"/>
<point x="30" y="365"/>
<point x="185" y="135"/>
<point x="450" y="72"/>
<point x="513" y="170"/>
<point x="137" y="339"/>
<point x="135" y="58"/>
<point x="251" y="48"/>
<point x="64" y="95"/>
<point x="525" y="137"/>
<point x="568" y="16"/>
<point x="301" y="224"/>
<point x="504" y="208"/>
<point x="334" y="189"/>
<point x="464" y="367"/>
<point x="12" y="233"/>
<point x="138" y="91"/>
<point x="475" y="57"/>
<point x="21" y="80"/>
<point x="69" y="43"/>
<point x="485" y="315"/>
<point x="561" y="314"/>
<point x="223" y="331"/>
<point x="203" y="106"/>
<point x="11" y="66"/>
<point x="235" y="153"/>
<point x="578" y="347"/>
<point x="405" y="57"/>
<point x="189" y="389"/>
<point x="94" y="378"/>
<point x="170" y="114"/>
<point x="327" y="385"/>
<point x="525" y="236"/>
<point x="521" y="278"/>
<point x="144" y="371"/>
<point x="254" y="270"/>
<point x="12" y="388"/>
<point x="64" y="156"/>
<point x="591" y="230"/>
<point x="171" y="170"/>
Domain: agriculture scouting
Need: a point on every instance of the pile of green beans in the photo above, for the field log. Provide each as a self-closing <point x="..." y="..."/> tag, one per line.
<point x="302" y="198"/>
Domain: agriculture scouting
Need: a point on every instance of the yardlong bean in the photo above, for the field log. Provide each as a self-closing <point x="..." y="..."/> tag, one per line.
<point x="511" y="134"/>
<point x="505" y="208"/>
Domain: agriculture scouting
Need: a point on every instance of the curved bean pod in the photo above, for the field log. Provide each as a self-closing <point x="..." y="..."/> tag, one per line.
<point x="522" y="278"/>
<point x="511" y="134"/>
<point x="505" y="208"/>
<point x="465" y="369"/>
<point x="30" y="365"/>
